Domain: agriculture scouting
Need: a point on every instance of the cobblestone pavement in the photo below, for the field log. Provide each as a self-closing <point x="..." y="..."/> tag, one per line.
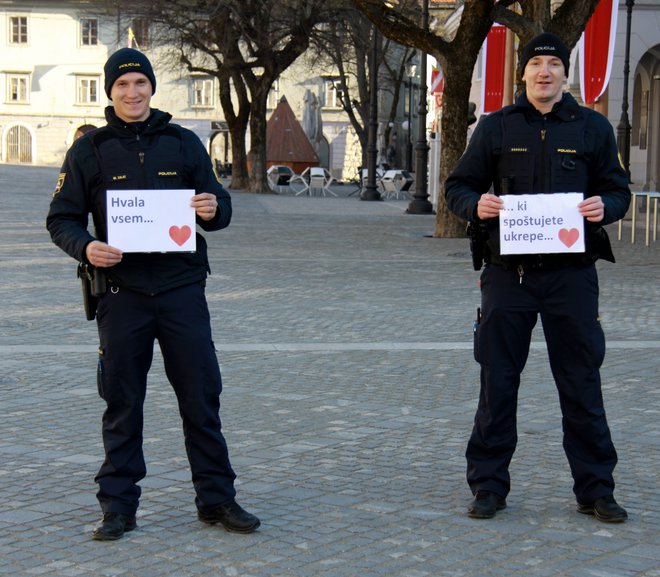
<point x="344" y="334"/>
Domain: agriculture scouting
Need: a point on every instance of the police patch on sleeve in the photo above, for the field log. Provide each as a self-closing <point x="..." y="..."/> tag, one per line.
<point x="60" y="183"/>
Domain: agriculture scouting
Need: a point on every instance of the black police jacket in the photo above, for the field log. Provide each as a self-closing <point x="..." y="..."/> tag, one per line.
<point x="518" y="150"/>
<point x="147" y="155"/>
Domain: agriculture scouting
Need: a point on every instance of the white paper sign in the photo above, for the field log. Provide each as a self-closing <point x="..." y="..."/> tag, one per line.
<point x="151" y="220"/>
<point x="541" y="223"/>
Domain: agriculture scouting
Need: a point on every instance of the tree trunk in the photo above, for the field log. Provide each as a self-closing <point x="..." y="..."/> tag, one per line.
<point x="458" y="62"/>
<point x="237" y="120"/>
<point x="454" y="136"/>
<point x="257" y="166"/>
<point x="239" y="166"/>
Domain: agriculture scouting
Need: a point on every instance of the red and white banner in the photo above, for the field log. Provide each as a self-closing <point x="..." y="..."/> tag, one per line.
<point x="596" y="49"/>
<point x="437" y="80"/>
<point x="437" y="85"/>
<point x="492" y="77"/>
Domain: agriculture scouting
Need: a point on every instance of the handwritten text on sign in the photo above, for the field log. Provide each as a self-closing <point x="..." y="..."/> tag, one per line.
<point x="541" y="223"/>
<point x="151" y="220"/>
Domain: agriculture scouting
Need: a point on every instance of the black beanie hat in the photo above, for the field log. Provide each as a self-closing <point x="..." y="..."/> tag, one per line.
<point x="545" y="44"/>
<point x="127" y="60"/>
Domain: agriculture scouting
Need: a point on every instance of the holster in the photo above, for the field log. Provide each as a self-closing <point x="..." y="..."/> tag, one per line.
<point x="478" y="235"/>
<point x="93" y="287"/>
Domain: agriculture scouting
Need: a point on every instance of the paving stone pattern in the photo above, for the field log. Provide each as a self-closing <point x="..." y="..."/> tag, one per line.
<point x="344" y="335"/>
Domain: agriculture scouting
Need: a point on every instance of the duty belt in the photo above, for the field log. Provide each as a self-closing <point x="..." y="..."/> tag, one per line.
<point x="540" y="261"/>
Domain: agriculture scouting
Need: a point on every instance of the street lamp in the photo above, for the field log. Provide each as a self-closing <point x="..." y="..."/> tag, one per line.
<point x="410" y="72"/>
<point x="420" y="202"/>
<point x="623" y="128"/>
<point x="370" y="191"/>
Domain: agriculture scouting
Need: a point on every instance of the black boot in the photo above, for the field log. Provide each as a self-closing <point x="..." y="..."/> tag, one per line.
<point x="231" y="516"/>
<point x="113" y="527"/>
<point x="605" y="509"/>
<point x="485" y="505"/>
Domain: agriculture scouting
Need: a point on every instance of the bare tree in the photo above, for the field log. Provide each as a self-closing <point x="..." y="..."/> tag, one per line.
<point x="274" y="35"/>
<point x="343" y="46"/>
<point x="246" y="45"/>
<point x="458" y="57"/>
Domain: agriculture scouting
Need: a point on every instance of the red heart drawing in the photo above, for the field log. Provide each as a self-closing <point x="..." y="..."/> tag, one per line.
<point x="569" y="237"/>
<point x="180" y="235"/>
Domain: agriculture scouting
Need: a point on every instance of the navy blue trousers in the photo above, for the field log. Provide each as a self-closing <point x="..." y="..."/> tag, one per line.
<point x="567" y="302"/>
<point x="129" y="323"/>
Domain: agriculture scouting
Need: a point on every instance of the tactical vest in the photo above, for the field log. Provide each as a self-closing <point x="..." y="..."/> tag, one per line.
<point x="536" y="160"/>
<point x="539" y="160"/>
<point x="156" y="166"/>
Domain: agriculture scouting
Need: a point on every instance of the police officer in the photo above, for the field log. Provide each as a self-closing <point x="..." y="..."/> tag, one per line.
<point x="149" y="296"/>
<point x="543" y="143"/>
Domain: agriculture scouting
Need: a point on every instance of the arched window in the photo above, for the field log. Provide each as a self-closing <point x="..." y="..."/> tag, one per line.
<point x="19" y="144"/>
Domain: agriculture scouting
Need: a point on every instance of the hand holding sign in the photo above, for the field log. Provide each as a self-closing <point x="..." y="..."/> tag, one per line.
<point x="541" y="223"/>
<point x="205" y="205"/>
<point x="151" y="220"/>
<point x="489" y="206"/>
<point x="592" y="208"/>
